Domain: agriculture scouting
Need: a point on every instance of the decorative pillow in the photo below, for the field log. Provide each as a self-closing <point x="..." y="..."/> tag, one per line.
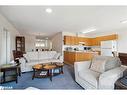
<point x="98" y="66"/>
<point x="56" y="56"/>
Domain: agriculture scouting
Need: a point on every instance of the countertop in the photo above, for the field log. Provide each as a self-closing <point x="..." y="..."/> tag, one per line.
<point x="83" y="51"/>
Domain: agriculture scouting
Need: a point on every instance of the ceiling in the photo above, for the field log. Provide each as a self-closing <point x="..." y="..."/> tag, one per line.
<point x="34" y="19"/>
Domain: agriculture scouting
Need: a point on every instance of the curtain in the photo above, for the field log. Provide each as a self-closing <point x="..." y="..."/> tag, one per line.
<point x="4" y="46"/>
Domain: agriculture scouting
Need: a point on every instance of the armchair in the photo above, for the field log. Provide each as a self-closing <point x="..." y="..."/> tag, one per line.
<point x="99" y="73"/>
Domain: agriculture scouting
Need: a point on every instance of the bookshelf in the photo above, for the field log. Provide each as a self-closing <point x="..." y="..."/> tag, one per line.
<point x="20" y="43"/>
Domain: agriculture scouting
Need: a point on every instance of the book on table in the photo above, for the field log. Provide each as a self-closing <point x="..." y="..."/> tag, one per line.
<point x="43" y="73"/>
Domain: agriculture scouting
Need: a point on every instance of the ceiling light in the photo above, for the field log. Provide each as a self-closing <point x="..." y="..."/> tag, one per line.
<point x="123" y="21"/>
<point x="89" y="30"/>
<point x="48" y="10"/>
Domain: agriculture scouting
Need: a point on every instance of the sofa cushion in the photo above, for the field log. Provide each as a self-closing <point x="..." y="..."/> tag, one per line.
<point x="31" y="56"/>
<point x="90" y="77"/>
<point x="46" y="55"/>
<point x="56" y="56"/>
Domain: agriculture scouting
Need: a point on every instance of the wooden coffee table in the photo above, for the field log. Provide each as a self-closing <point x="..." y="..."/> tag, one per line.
<point x="47" y="70"/>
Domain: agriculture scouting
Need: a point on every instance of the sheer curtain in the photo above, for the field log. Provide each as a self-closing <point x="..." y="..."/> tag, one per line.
<point x="4" y="46"/>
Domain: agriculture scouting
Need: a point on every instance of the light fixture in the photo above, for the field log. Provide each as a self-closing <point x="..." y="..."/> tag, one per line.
<point x="123" y="21"/>
<point x="48" y="10"/>
<point x="89" y="30"/>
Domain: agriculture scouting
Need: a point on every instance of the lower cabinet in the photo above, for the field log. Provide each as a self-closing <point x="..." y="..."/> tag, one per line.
<point x="71" y="57"/>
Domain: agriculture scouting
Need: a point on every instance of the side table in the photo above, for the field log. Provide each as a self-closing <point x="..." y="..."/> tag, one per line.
<point x="10" y="73"/>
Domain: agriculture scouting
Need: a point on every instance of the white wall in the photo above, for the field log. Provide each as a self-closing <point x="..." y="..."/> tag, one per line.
<point x="57" y="42"/>
<point x="30" y="41"/>
<point x="13" y="32"/>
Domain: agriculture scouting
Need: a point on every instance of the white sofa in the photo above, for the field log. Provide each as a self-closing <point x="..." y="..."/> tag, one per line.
<point x="100" y="73"/>
<point x="32" y="58"/>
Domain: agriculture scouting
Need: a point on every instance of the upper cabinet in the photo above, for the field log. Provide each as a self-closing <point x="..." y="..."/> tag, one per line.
<point x="97" y="41"/>
<point x="73" y="40"/>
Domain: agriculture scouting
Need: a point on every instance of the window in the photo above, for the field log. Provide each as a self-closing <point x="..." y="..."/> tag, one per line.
<point x="4" y="46"/>
<point x="40" y="43"/>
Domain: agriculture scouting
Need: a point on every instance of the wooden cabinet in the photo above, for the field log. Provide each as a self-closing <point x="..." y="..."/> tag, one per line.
<point x="20" y="44"/>
<point x="71" y="40"/>
<point x="67" y="40"/>
<point x="109" y="37"/>
<point x="71" y="57"/>
<point x="97" y="41"/>
<point x="88" y="41"/>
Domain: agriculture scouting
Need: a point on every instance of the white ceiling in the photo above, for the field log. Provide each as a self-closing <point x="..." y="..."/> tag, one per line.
<point x="34" y="19"/>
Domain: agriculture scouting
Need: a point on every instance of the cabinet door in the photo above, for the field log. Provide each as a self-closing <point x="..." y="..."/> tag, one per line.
<point x="67" y="40"/>
<point x="96" y="41"/>
<point x="72" y="40"/>
<point x="87" y="41"/>
<point x="76" y="40"/>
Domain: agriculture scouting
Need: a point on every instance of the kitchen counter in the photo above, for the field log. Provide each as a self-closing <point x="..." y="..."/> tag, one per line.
<point x="83" y="51"/>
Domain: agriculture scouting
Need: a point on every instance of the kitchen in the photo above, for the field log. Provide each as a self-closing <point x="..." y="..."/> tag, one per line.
<point x="84" y="49"/>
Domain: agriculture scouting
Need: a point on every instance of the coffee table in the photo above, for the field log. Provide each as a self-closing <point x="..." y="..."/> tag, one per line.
<point x="47" y="70"/>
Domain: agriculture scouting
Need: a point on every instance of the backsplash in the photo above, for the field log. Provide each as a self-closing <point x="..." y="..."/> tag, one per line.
<point x="80" y="47"/>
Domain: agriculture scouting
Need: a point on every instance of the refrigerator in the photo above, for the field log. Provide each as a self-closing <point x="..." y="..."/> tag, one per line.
<point x="107" y="47"/>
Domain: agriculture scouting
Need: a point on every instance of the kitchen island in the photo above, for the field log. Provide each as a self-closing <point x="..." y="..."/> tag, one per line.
<point x="75" y="56"/>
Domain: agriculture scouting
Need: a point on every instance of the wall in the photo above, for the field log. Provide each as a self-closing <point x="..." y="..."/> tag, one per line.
<point x="30" y="41"/>
<point x="13" y="32"/>
<point x="57" y="42"/>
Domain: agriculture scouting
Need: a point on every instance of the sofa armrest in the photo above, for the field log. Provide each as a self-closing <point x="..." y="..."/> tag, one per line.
<point x="82" y="65"/>
<point x="78" y="66"/>
<point x="108" y="78"/>
<point x="61" y="58"/>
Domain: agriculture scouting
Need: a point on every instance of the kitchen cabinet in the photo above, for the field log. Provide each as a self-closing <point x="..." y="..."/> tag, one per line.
<point x="67" y="40"/>
<point x="71" y="57"/>
<point x="97" y="41"/>
<point x="73" y="40"/>
<point x="88" y="41"/>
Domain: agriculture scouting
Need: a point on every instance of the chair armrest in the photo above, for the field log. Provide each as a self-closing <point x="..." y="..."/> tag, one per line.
<point x="108" y="78"/>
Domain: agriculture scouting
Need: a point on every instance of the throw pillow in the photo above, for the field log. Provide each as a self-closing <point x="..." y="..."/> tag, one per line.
<point x="98" y="66"/>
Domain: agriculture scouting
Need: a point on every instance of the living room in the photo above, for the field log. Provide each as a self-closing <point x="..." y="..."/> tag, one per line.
<point x="61" y="39"/>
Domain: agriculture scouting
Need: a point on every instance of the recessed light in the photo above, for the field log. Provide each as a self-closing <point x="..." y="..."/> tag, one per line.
<point x="123" y="21"/>
<point x="89" y="30"/>
<point x="48" y="10"/>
